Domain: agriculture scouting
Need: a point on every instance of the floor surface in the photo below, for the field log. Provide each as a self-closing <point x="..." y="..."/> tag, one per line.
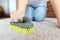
<point x="46" y="30"/>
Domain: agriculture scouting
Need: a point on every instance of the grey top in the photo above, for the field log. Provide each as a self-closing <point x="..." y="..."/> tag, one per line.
<point x="37" y="2"/>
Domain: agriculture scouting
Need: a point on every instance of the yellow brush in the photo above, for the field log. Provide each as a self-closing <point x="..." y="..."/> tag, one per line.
<point x="26" y="27"/>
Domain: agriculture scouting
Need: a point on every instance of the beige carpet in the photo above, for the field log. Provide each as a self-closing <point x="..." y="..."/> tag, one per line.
<point x="46" y="30"/>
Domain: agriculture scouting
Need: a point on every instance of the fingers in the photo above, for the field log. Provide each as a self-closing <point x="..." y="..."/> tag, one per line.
<point x="13" y="15"/>
<point x="17" y="16"/>
<point x="20" y="20"/>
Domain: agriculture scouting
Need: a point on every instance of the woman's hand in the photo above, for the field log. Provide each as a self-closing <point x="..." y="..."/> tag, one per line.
<point x="17" y="16"/>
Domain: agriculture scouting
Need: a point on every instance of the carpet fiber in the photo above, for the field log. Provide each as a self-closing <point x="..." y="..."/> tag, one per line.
<point x="46" y="30"/>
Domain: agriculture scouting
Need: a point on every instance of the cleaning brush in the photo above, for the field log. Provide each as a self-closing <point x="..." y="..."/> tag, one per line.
<point x="25" y="27"/>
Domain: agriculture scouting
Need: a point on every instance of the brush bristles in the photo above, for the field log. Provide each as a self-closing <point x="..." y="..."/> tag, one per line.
<point x="22" y="30"/>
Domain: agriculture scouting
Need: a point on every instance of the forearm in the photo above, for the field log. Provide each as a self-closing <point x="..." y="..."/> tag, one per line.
<point x="22" y="4"/>
<point x="56" y="7"/>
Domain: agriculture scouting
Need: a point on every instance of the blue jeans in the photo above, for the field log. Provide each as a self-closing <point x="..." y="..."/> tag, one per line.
<point x="36" y="13"/>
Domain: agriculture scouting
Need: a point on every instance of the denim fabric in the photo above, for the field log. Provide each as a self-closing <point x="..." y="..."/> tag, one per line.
<point x="39" y="13"/>
<point x="29" y="12"/>
<point x="36" y="12"/>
